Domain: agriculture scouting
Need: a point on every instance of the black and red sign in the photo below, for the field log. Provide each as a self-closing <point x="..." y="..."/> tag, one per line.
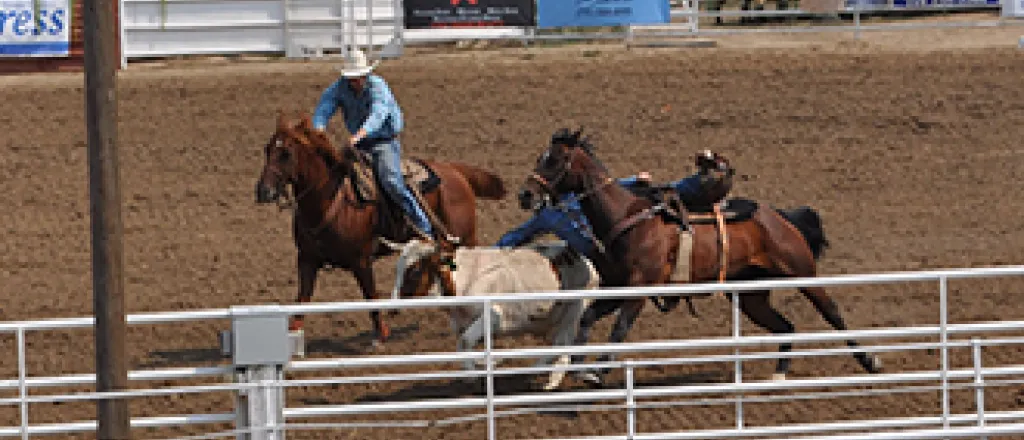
<point x="426" y="14"/>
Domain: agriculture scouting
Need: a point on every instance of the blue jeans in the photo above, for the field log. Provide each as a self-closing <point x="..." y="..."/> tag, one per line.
<point x="388" y="164"/>
<point x="553" y="220"/>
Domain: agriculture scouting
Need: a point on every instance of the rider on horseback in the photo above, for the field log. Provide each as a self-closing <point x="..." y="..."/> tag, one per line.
<point x="374" y="119"/>
<point x="566" y="219"/>
<point x="700" y="190"/>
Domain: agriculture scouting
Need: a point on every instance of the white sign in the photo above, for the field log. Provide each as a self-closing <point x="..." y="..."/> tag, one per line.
<point x="35" y="28"/>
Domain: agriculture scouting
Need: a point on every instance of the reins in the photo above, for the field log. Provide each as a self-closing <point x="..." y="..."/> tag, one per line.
<point x="292" y="203"/>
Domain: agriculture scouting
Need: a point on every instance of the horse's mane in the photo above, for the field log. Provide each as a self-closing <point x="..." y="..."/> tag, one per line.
<point x="318" y="142"/>
<point x="573" y="138"/>
<point x="576" y="139"/>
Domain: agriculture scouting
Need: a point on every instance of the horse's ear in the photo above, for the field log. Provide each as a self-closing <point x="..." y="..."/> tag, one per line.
<point x="305" y="121"/>
<point x="586" y="143"/>
<point x="282" y="121"/>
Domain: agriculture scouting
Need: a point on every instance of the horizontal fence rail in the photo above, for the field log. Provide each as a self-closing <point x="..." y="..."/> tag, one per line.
<point x="629" y="397"/>
<point x="695" y="289"/>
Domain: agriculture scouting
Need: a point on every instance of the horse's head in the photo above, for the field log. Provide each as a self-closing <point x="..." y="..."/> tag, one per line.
<point x="419" y="266"/>
<point x="567" y="165"/>
<point x="292" y="154"/>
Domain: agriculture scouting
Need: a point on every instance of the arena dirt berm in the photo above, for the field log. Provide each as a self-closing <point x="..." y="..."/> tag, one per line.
<point x="913" y="160"/>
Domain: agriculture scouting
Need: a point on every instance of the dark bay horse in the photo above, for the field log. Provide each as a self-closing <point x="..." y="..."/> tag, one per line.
<point x="642" y="246"/>
<point x="335" y="224"/>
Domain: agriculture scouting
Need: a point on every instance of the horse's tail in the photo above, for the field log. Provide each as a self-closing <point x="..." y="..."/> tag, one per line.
<point x="808" y="221"/>
<point x="485" y="184"/>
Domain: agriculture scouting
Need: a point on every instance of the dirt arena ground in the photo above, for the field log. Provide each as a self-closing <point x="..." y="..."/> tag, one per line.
<point x="912" y="154"/>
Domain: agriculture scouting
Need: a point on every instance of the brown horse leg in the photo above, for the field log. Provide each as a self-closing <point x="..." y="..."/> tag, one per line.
<point x="830" y="311"/>
<point x="757" y="308"/>
<point x="628" y="313"/>
<point x="308" y="269"/>
<point x="597" y="310"/>
<point x="365" y="279"/>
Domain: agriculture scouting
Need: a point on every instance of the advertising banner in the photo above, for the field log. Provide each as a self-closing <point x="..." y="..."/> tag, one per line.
<point x="35" y="28"/>
<point x="562" y="13"/>
<point x="427" y="14"/>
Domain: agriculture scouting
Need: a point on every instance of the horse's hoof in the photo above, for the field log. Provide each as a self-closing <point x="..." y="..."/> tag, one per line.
<point x="377" y="346"/>
<point x="590" y="378"/>
<point x="554" y="382"/>
<point x="778" y="377"/>
<point x="876" y="365"/>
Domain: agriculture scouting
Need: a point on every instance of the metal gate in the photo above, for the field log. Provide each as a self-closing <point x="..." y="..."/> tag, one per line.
<point x="318" y="28"/>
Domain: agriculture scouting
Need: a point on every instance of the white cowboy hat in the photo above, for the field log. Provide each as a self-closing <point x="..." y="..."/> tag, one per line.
<point x="356" y="65"/>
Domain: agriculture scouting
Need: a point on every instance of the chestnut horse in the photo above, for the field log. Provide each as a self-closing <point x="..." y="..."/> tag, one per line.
<point x="335" y="225"/>
<point x="642" y="240"/>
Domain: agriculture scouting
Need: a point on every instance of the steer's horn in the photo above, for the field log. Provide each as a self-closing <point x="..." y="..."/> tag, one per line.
<point x="390" y="244"/>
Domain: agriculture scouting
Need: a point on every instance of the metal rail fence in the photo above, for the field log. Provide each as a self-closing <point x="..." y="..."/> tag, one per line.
<point x="316" y="28"/>
<point x="260" y="385"/>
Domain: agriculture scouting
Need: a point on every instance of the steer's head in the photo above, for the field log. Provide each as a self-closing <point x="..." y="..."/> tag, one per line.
<point x="424" y="268"/>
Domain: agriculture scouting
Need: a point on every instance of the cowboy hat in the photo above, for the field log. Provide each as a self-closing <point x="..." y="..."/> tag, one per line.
<point x="356" y="65"/>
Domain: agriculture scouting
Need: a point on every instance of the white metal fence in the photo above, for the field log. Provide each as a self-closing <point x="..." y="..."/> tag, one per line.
<point x="300" y="28"/>
<point x="262" y="414"/>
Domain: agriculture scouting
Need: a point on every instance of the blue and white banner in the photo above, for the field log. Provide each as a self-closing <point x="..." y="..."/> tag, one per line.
<point x="562" y="13"/>
<point x="34" y="28"/>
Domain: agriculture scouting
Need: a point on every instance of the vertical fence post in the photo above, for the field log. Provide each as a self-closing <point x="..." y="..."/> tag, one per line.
<point x="342" y="27"/>
<point x="352" y="25"/>
<point x="286" y="31"/>
<point x="695" y="9"/>
<point x="736" y="351"/>
<point x="106" y="221"/>
<point x="121" y="33"/>
<point x="630" y="401"/>
<point x="979" y="383"/>
<point x="22" y="383"/>
<point x="944" y="341"/>
<point x="260" y="347"/>
<point x="369" y="26"/>
<point x="395" y="48"/>
<point x="856" y="22"/>
<point x="489" y="360"/>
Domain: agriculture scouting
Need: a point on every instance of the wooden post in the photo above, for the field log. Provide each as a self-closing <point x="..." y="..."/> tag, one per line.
<point x="101" y="59"/>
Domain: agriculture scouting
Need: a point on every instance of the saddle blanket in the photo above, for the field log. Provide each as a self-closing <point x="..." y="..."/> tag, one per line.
<point x="416" y="174"/>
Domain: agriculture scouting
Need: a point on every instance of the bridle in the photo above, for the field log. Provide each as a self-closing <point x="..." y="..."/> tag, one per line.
<point x="285" y="201"/>
<point x="549" y="186"/>
<point x="549" y="189"/>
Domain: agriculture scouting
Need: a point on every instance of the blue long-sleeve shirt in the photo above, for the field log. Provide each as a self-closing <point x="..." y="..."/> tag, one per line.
<point x="566" y="221"/>
<point x="375" y="110"/>
<point x="687" y="187"/>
